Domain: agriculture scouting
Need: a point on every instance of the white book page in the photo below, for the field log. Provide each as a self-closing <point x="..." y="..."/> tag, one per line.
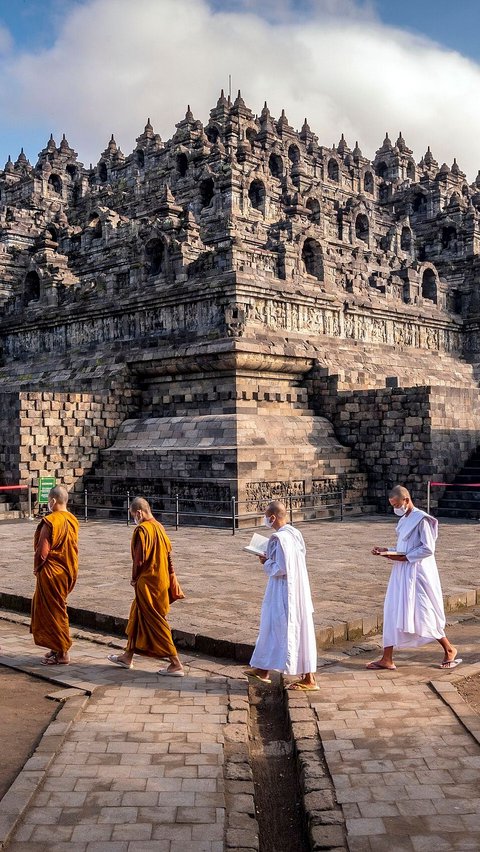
<point x="258" y="545"/>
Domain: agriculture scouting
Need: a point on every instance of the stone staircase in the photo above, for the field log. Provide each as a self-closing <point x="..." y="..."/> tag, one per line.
<point x="461" y="500"/>
<point x="197" y="458"/>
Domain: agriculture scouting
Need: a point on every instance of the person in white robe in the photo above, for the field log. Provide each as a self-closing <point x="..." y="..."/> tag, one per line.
<point x="413" y="610"/>
<point x="286" y="640"/>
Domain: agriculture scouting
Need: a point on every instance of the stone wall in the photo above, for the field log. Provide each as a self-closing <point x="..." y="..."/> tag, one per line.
<point x="403" y="435"/>
<point x="9" y="443"/>
<point x="59" y="434"/>
<point x="455" y="432"/>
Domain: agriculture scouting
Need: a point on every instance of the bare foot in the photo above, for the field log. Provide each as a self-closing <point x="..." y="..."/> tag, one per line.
<point x="258" y="674"/>
<point x="450" y="655"/>
<point x="55" y="659"/>
<point x="381" y="664"/>
<point x="303" y="686"/>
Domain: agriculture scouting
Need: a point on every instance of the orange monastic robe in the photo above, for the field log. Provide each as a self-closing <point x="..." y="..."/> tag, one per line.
<point x="148" y="630"/>
<point x="56" y="578"/>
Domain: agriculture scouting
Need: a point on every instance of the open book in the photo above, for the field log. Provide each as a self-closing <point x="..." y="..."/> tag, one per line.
<point x="258" y="545"/>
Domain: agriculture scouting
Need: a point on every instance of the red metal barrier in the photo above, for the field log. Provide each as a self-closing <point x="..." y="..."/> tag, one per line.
<point x="28" y="488"/>
<point x="463" y="484"/>
<point x="448" y="485"/>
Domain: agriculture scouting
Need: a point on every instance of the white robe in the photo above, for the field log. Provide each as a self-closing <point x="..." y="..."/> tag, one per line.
<point x="413" y="611"/>
<point x="286" y="640"/>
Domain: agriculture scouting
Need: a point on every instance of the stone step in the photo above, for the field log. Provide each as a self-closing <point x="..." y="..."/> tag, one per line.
<point x="444" y="512"/>
<point x="459" y="503"/>
<point x="200" y="456"/>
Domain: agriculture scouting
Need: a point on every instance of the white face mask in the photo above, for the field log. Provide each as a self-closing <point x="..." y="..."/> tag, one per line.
<point x="137" y="520"/>
<point x="50" y="506"/>
<point x="401" y="511"/>
<point x="268" y="522"/>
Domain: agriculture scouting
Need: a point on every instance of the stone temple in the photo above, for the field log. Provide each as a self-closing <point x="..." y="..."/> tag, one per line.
<point x="238" y="312"/>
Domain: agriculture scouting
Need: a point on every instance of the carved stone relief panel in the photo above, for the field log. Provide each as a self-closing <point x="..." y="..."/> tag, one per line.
<point x="258" y="494"/>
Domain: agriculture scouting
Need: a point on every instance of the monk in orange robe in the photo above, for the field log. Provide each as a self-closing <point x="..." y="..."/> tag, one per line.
<point x="148" y="630"/>
<point x="55" y="567"/>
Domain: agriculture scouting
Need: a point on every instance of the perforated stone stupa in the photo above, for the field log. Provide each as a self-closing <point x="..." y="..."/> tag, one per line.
<point x="238" y="311"/>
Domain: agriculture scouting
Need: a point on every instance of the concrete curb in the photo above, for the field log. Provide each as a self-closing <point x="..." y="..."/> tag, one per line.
<point x="18" y="797"/>
<point x="216" y="646"/>
<point x="325" y="821"/>
<point x="115" y="626"/>
<point x="242" y="830"/>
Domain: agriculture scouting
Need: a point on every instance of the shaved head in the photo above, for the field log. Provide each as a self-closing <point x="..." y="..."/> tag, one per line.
<point x="400" y="492"/>
<point x="60" y="494"/>
<point x="278" y="509"/>
<point x="140" y="504"/>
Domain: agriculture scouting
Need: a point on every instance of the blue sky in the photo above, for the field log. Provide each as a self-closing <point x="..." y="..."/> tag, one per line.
<point x="33" y="23"/>
<point x="453" y="24"/>
<point x="96" y="67"/>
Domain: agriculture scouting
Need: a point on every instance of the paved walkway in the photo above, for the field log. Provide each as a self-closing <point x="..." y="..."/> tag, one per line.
<point x="143" y="767"/>
<point x="163" y="765"/>
<point x="224" y="585"/>
<point x="406" y="771"/>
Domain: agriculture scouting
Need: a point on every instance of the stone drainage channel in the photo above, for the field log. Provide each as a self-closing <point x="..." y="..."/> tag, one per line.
<point x="294" y="795"/>
<point x="278" y="799"/>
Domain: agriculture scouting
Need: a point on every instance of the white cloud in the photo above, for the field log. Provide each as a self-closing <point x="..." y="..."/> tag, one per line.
<point x="116" y="62"/>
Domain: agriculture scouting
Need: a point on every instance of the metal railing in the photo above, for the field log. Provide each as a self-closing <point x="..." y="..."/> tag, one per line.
<point x="457" y="486"/>
<point x="28" y="487"/>
<point x="179" y="511"/>
<point x="187" y="511"/>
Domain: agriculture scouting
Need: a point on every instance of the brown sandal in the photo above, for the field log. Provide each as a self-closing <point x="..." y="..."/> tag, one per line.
<point x="52" y="660"/>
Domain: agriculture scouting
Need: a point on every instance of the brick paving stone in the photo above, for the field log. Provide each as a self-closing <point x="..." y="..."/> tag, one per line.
<point x="91" y="832"/>
<point x="365" y="826"/>
<point x="377" y="809"/>
<point x="404" y="769"/>
<point x="359" y="844"/>
<point x="391" y="844"/>
<point x="394" y="768"/>
<point x="118" y="784"/>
